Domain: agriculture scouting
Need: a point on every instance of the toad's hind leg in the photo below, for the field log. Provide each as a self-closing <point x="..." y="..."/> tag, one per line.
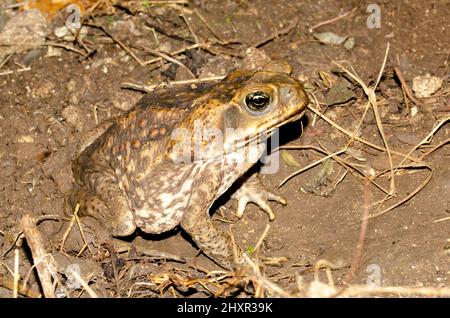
<point x="106" y="203"/>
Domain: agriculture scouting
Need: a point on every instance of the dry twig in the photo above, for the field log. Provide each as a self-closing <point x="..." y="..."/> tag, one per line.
<point x="168" y="58"/>
<point x="115" y="39"/>
<point x="151" y="88"/>
<point x="357" y="256"/>
<point x="311" y="29"/>
<point x="45" y="265"/>
<point x="276" y="34"/>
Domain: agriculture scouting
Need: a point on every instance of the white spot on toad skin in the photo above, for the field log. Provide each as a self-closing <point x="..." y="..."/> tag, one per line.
<point x="143" y="213"/>
<point x="166" y="199"/>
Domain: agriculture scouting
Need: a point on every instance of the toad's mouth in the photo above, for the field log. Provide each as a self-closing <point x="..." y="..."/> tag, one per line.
<point x="263" y="135"/>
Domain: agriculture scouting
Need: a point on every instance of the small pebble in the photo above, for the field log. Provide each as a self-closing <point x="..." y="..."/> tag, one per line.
<point x="425" y="86"/>
<point x="72" y="115"/>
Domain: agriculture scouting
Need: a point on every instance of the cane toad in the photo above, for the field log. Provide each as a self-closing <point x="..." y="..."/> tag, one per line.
<point x="165" y="162"/>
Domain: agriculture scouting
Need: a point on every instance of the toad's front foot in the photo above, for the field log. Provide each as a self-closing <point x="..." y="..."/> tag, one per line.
<point x="252" y="190"/>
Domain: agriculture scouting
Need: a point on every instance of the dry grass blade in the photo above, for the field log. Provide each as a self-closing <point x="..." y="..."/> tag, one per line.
<point x="5" y="60"/>
<point x="169" y="58"/>
<point x="151" y="88"/>
<point x="187" y="48"/>
<point x="412" y="194"/>
<point x="351" y="135"/>
<point x="425" y="140"/>
<point x="207" y="25"/>
<point x="311" y="29"/>
<point x="16" y="274"/>
<point x="186" y="21"/>
<point x="80" y="228"/>
<point x="262" y="237"/>
<point x="86" y="287"/>
<point x="67" y="47"/>
<point x="347" y="165"/>
<point x="441" y="220"/>
<point x="276" y="34"/>
<point x="25" y="69"/>
<point x="69" y="228"/>
<point x="419" y="163"/>
<point x="115" y="39"/>
<point x="429" y="152"/>
<point x="167" y="2"/>
<point x="263" y="282"/>
<point x="370" y="92"/>
<point x="310" y="166"/>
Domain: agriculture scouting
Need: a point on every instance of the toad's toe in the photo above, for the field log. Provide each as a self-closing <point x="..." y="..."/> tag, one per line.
<point x="255" y="192"/>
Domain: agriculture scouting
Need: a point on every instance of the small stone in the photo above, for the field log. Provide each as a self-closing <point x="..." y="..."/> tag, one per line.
<point x="27" y="139"/>
<point x="329" y="38"/>
<point x="124" y="101"/>
<point x="340" y="93"/>
<point x="55" y="167"/>
<point x="71" y="85"/>
<point x="53" y="51"/>
<point x="349" y="43"/>
<point x="31" y="56"/>
<point x="61" y="31"/>
<point x="68" y="34"/>
<point x="414" y="111"/>
<point x="72" y="115"/>
<point x="73" y="99"/>
<point x="425" y="86"/>
<point x="165" y="47"/>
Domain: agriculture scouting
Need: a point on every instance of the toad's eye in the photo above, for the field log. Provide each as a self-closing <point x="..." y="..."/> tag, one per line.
<point x="257" y="101"/>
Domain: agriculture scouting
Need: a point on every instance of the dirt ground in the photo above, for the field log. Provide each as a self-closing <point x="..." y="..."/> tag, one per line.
<point x="50" y="95"/>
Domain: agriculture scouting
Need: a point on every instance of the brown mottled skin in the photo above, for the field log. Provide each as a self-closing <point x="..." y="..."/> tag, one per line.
<point x="135" y="174"/>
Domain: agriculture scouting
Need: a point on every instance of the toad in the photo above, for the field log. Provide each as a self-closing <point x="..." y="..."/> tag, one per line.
<point x="164" y="162"/>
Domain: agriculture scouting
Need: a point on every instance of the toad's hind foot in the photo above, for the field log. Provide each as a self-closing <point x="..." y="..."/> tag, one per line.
<point x="120" y="224"/>
<point x="252" y="190"/>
